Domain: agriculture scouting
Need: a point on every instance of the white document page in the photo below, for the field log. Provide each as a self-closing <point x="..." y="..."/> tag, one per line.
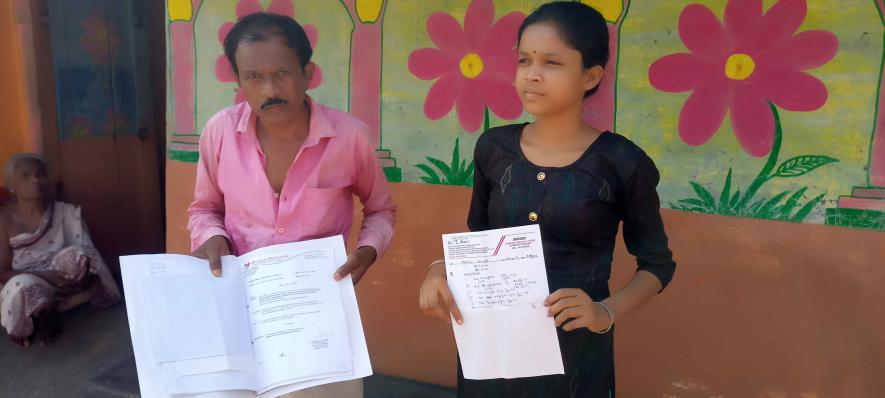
<point x="155" y="376"/>
<point x="362" y="367"/>
<point x="186" y="303"/>
<point x="499" y="282"/>
<point x="298" y="325"/>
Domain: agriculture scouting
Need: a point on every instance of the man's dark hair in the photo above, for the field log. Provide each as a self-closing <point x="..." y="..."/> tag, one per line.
<point x="580" y="26"/>
<point x="262" y="26"/>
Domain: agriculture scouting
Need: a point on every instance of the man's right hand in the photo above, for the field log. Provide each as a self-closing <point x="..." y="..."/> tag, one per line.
<point x="213" y="249"/>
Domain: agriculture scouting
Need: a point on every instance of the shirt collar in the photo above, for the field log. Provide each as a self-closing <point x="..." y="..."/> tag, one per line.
<point x="320" y="126"/>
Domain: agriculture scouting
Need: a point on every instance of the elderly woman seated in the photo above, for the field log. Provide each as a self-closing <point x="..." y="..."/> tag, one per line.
<point x="47" y="260"/>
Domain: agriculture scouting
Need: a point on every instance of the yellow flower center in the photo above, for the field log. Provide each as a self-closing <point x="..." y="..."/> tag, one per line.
<point x="611" y="10"/>
<point x="739" y="66"/>
<point x="368" y="11"/>
<point x="180" y="10"/>
<point x="471" y="65"/>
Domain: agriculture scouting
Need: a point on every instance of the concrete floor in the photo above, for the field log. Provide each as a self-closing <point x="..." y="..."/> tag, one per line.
<point x="93" y="358"/>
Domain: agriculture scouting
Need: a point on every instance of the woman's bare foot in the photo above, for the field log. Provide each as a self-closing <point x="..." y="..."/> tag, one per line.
<point x="46" y="330"/>
<point x="21" y="341"/>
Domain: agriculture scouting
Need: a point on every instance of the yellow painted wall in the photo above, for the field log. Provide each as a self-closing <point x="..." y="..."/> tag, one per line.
<point x="14" y="136"/>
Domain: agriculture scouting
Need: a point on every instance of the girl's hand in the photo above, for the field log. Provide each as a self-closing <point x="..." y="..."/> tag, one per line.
<point x="435" y="298"/>
<point x="576" y="305"/>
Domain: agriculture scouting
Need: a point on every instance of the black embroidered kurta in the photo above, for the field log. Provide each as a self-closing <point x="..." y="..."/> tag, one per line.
<point x="578" y="208"/>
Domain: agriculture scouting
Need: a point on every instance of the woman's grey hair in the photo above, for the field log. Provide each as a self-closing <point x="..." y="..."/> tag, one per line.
<point x="18" y="158"/>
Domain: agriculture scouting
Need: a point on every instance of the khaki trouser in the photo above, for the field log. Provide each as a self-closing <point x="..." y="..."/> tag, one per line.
<point x="344" y="389"/>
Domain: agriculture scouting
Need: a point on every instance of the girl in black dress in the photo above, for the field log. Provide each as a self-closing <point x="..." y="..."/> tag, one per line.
<point x="578" y="184"/>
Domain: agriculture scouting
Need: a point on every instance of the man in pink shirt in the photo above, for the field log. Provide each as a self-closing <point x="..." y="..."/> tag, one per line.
<point x="281" y="167"/>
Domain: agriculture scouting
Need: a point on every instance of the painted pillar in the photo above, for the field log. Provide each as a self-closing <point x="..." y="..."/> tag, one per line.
<point x="183" y="137"/>
<point x="865" y="207"/>
<point x="876" y="171"/>
<point x="365" y="74"/>
<point x="599" y="109"/>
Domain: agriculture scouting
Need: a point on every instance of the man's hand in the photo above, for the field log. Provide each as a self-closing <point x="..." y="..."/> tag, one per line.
<point x="357" y="263"/>
<point x="213" y="249"/>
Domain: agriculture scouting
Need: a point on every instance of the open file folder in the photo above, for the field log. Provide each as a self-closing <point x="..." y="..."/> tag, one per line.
<point x="274" y="323"/>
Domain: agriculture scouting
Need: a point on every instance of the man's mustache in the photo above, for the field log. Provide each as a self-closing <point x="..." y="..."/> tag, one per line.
<point x="273" y="101"/>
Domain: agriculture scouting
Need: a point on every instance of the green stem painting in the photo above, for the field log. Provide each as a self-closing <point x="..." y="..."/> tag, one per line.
<point x="784" y="206"/>
<point x="456" y="172"/>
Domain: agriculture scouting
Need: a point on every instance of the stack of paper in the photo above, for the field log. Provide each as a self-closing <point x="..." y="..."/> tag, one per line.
<point x="274" y="323"/>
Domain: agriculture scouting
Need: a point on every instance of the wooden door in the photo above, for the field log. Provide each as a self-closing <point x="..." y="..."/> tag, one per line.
<point x="107" y="135"/>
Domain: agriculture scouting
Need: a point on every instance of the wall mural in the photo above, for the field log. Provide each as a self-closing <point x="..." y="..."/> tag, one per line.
<point x="749" y="66"/>
<point x="751" y="108"/>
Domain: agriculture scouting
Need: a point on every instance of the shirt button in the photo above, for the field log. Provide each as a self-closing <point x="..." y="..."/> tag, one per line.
<point x="281" y="230"/>
<point x="541" y="176"/>
<point x="533" y="216"/>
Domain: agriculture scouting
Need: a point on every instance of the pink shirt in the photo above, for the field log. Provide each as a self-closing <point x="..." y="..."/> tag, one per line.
<point x="233" y="197"/>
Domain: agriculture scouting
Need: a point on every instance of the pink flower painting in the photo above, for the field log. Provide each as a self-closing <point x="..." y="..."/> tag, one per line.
<point x="223" y="70"/>
<point x="473" y="67"/>
<point x="741" y="65"/>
